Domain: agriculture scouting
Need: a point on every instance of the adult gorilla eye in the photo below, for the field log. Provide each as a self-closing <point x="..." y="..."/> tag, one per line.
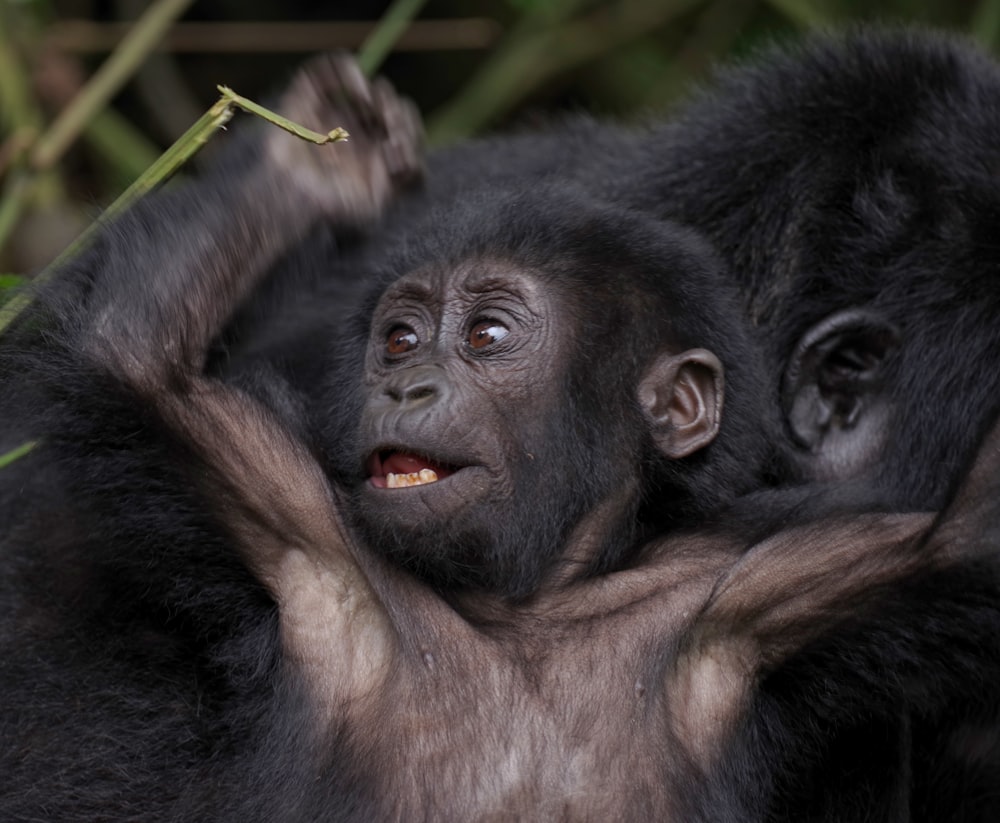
<point x="401" y="340"/>
<point x="486" y="332"/>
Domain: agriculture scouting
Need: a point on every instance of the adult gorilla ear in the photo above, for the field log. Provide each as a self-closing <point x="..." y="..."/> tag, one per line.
<point x="681" y="398"/>
<point x="832" y="391"/>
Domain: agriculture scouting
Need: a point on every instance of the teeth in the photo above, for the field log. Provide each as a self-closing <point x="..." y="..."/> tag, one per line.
<point x="400" y="481"/>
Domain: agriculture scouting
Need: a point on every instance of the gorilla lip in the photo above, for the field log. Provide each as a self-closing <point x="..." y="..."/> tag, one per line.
<point x="391" y="469"/>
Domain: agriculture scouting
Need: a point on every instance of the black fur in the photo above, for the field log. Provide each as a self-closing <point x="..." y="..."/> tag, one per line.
<point x="859" y="170"/>
<point x="863" y="171"/>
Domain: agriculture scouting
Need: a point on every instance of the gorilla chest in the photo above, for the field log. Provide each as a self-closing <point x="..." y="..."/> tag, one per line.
<point x="582" y="729"/>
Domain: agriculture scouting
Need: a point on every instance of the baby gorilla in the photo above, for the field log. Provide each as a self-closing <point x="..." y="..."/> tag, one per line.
<point x="529" y="409"/>
<point x="544" y="386"/>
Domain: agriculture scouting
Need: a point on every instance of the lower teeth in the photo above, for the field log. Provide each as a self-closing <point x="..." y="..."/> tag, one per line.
<point x="399" y="481"/>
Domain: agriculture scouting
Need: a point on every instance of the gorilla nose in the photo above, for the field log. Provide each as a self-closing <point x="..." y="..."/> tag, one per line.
<point x="417" y="385"/>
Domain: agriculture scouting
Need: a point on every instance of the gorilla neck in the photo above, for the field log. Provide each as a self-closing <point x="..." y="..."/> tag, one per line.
<point x="603" y="538"/>
<point x="516" y="553"/>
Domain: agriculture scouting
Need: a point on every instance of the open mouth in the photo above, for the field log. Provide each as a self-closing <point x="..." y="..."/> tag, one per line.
<point x="392" y="469"/>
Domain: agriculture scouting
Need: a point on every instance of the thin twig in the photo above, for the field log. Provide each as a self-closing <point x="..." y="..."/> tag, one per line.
<point x="185" y="147"/>
<point x="234" y="99"/>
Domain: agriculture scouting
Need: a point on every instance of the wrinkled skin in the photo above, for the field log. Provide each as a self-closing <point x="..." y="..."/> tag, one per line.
<point x="467" y="378"/>
<point x="504" y="378"/>
<point x="467" y="392"/>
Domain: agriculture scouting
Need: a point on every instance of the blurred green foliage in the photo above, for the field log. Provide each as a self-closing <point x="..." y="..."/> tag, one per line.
<point x="73" y="137"/>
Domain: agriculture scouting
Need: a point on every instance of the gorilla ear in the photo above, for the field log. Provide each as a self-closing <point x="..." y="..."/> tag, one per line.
<point x="835" y="376"/>
<point x="681" y="397"/>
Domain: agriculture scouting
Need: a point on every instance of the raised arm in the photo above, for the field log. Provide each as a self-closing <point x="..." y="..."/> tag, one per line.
<point x="177" y="266"/>
<point x="164" y="292"/>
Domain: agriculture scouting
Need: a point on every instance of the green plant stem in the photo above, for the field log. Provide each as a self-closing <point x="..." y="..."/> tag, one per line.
<point x="17" y="108"/>
<point x="380" y="42"/>
<point x="172" y="159"/>
<point x="233" y="99"/>
<point x="9" y="457"/>
<point x="109" y="78"/>
<point x="530" y="55"/>
<point x="123" y="149"/>
<point x="185" y="147"/>
<point x="182" y="150"/>
<point x="106" y="82"/>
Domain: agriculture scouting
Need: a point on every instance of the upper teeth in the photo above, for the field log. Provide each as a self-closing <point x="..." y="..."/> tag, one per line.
<point x="398" y="481"/>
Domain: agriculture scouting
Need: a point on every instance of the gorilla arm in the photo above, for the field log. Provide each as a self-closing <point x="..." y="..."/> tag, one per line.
<point x="803" y="583"/>
<point x="198" y="252"/>
<point x="154" y="311"/>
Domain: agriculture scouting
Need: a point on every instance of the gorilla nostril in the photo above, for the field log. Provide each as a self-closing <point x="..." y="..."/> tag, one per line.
<point x="416" y="385"/>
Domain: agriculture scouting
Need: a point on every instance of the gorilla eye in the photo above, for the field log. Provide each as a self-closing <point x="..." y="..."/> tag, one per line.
<point x="401" y="340"/>
<point x="486" y="332"/>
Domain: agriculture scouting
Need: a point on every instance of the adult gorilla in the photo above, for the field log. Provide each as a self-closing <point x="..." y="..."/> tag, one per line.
<point x="853" y="184"/>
